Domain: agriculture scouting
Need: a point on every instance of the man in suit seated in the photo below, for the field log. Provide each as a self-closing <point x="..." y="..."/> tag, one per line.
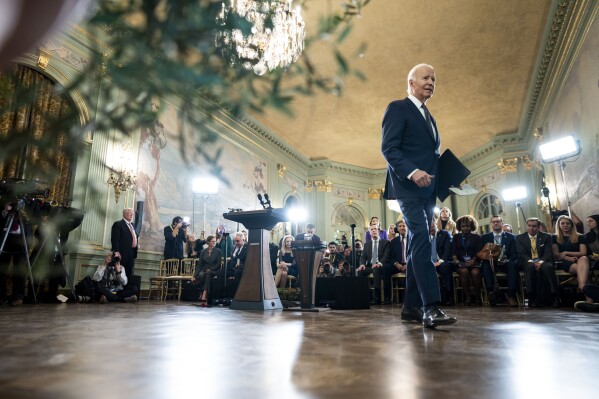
<point x="334" y="255"/>
<point x="309" y="234"/>
<point x="399" y="246"/>
<point x="506" y="262"/>
<point x="375" y="257"/>
<point x="535" y="257"/>
<point x="237" y="260"/>
<point x="441" y="257"/>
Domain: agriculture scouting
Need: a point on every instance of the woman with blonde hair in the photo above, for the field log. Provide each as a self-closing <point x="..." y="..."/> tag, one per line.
<point x="445" y="222"/>
<point x="286" y="265"/>
<point x="570" y="248"/>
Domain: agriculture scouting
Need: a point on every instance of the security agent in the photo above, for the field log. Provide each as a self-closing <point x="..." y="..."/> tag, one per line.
<point x="112" y="281"/>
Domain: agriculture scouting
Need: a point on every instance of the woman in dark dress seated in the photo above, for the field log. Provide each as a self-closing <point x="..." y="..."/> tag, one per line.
<point x="286" y="264"/>
<point x="464" y="247"/>
<point x="208" y="265"/>
<point x="569" y="248"/>
<point x="592" y="238"/>
<point x="445" y="222"/>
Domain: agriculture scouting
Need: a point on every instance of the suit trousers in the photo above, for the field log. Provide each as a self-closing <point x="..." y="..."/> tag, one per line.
<point x="546" y="273"/>
<point x="422" y="284"/>
<point x="510" y="268"/>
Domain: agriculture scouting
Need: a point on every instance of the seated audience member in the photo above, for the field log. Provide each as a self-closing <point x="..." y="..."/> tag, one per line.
<point x="464" y="247"/>
<point x="326" y="269"/>
<point x="543" y="227"/>
<point x="374" y="221"/>
<point x="508" y="228"/>
<point x="112" y="282"/>
<point x="334" y="255"/>
<point x="441" y="257"/>
<point x="591" y="304"/>
<point x="354" y="258"/>
<point x="445" y="222"/>
<point x="399" y="247"/>
<point x="223" y="241"/>
<point x="208" y="266"/>
<point x="391" y="232"/>
<point x="535" y="257"/>
<point x="195" y="245"/>
<point x="570" y="250"/>
<point x="286" y="264"/>
<point x="506" y="261"/>
<point x="376" y="256"/>
<point x="344" y="269"/>
<point x="237" y="260"/>
<point x="592" y="239"/>
<point x="309" y="234"/>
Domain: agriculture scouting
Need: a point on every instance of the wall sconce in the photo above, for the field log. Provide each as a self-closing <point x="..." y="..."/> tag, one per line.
<point x="321" y="185"/>
<point x="121" y="181"/>
<point x="507" y="165"/>
<point x="308" y="185"/>
<point x="281" y="169"/>
<point x="121" y="177"/>
<point x="538" y="133"/>
<point x="43" y="58"/>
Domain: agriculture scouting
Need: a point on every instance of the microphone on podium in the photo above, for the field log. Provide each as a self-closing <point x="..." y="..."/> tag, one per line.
<point x="261" y="202"/>
<point x="267" y="201"/>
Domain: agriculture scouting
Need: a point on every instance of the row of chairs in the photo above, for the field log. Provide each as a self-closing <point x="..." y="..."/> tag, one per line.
<point x="172" y="274"/>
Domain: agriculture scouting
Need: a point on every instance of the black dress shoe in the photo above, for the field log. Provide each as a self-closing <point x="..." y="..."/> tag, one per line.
<point x="412" y="314"/>
<point x="375" y="302"/>
<point x="435" y="317"/>
<point x="387" y="302"/>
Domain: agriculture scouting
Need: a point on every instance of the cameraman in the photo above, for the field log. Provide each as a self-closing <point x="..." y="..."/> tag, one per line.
<point x="175" y="236"/>
<point x="327" y="270"/>
<point x="112" y="281"/>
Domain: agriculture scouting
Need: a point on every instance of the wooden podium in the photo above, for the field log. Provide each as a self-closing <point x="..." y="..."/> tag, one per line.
<point x="308" y="254"/>
<point x="257" y="289"/>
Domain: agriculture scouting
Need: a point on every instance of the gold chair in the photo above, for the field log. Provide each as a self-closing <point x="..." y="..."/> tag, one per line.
<point x="397" y="286"/>
<point x="158" y="280"/>
<point x="171" y="269"/>
<point x="186" y="272"/>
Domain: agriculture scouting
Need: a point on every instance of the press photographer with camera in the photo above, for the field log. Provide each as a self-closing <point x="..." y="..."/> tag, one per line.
<point x="326" y="269"/>
<point x="112" y="281"/>
<point x="175" y="236"/>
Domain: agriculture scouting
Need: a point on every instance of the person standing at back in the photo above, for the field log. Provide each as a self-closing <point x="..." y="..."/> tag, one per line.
<point x="410" y="145"/>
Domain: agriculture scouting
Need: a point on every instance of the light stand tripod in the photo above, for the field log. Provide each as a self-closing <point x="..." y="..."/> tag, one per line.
<point x="519" y="207"/>
<point x="353" y="250"/>
<point x="7" y="226"/>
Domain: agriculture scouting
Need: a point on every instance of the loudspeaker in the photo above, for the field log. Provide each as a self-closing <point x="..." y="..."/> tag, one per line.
<point x="139" y="216"/>
<point x="343" y="292"/>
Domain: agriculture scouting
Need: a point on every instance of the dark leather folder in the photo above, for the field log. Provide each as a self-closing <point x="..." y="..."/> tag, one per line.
<point x="451" y="173"/>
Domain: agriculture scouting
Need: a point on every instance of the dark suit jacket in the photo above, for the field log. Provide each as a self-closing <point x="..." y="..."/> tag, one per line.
<point x="508" y="240"/>
<point x="232" y="263"/>
<point x="544" y="248"/>
<point x="396" y="254"/>
<point x="206" y="262"/>
<point x="384" y="252"/>
<point x="408" y="144"/>
<point x="444" y="245"/>
<point x="121" y="241"/>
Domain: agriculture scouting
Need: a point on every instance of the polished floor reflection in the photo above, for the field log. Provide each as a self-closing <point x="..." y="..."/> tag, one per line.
<point x="153" y="350"/>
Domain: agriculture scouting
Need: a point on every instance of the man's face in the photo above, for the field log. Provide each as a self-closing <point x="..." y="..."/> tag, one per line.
<point x="422" y="84"/>
<point x="310" y="231"/>
<point x="497" y="225"/>
<point x="402" y="229"/>
<point x="128" y="215"/>
<point x="332" y="248"/>
<point x="507" y="228"/>
<point x="374" y="232"/>
<point x="238" y="240"/>
<point x="532" y="226"/>
<point x="358" y="246"/>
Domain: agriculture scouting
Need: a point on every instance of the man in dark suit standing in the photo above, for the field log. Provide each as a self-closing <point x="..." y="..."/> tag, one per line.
<point x="375" y="259"/>
<point x="410" y="145"/>
<point x="441" y="257"/>
<point x="535" y="257"/>
<point x="308" y="235"/>
<point x="124" y="241"/>
<point x="507" y="262"/>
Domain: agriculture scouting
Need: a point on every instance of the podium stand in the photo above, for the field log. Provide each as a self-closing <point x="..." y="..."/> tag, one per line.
<point x="308" y="254"/>
<point x="257" y="289"/>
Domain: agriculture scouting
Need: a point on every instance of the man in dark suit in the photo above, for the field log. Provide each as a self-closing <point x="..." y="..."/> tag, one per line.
<point x="124" y="241"/>
<point x="376" y="264"/>
<point x="309" y="234"/>
<point x="237" y="260"/>
<point x="441" y="257"/>
<point x="399" y="246"/>
<point x="410" y="145"/>
<point x="507" y="262"/>
<point x="535" y="257"/>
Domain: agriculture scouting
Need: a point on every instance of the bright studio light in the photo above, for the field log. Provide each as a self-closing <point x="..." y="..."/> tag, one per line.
<point x="559" y="149"/>
<point x="204" y="185"/>
<point x="515" y="193"/>
<point x="296" y="214"/>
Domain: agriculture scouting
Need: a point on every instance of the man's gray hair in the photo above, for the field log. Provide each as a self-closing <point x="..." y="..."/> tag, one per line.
<point x="413" y="72"/>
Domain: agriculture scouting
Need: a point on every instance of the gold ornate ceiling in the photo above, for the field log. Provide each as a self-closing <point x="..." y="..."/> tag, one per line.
<point x="484" y="54"/>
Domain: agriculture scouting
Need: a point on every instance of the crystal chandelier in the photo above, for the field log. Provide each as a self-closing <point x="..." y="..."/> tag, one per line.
<point x="121" y="181"/>
<point x="276" y="38"/>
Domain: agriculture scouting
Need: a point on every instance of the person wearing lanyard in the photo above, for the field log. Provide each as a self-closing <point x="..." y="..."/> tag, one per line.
<point x="465" y="246"/>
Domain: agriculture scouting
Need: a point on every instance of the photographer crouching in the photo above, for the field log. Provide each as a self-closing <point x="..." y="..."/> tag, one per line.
<point x="112" y="281"/>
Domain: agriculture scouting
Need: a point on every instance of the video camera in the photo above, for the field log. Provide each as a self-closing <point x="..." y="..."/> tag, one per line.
<point x="115" y="259"/>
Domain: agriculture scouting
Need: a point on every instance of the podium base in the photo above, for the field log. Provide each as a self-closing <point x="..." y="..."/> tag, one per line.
<point x="300" y="309"/>
<point x="266" y="304"/>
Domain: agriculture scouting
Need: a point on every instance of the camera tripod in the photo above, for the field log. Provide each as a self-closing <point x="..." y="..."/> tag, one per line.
<point x="7" y="226"/>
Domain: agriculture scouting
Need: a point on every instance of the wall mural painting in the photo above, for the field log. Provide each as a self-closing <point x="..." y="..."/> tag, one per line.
<point x="164" y="182"/>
